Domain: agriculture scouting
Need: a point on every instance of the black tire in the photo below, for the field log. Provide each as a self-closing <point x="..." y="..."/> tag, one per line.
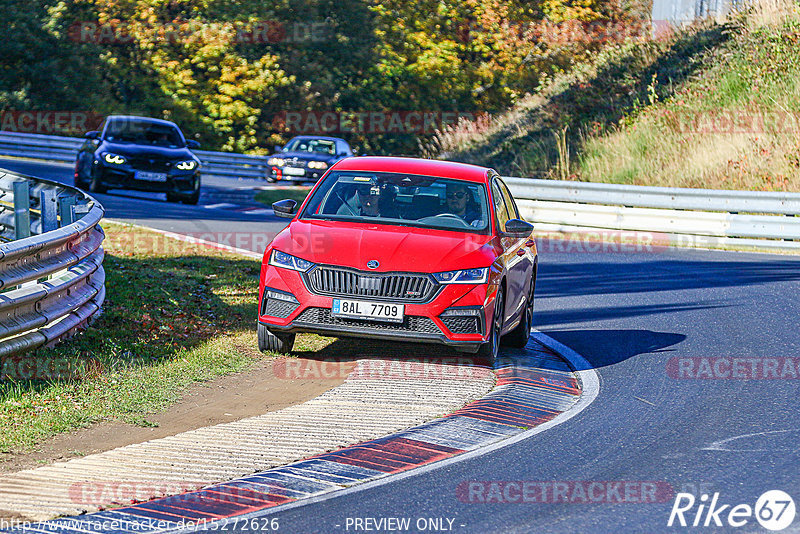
<point x="488" y="351"/>
<point x="172" y="197"/>
<point x="519" y="336"/>
<point x="96" y="185"/>
<point x="269" y="342"/>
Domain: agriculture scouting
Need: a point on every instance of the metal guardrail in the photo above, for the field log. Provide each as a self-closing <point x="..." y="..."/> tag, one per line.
<point x="746" y="219"/>
<point x="52" y="283"/>
<point x="65" y="149"/>
<point x="712" y="218"/>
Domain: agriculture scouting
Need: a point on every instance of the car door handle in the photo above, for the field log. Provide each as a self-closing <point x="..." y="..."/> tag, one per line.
<point x="520" y="252"/>
<point x="530" y="243"/>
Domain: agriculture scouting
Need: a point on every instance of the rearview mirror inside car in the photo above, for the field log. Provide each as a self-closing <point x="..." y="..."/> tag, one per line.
<point x="285" y="208"/>
<point x="518" y="228"/>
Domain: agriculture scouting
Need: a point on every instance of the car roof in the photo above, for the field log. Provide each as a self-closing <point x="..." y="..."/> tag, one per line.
<point x="323" y="137"/>
<point x="422" y="167"/>
<point x="141" y="119"/>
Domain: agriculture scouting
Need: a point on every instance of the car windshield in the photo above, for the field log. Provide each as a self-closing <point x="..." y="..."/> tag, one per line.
<point x="401" y="199"/>
<point x="317" y="146"/>
<point x="143" y="133"/>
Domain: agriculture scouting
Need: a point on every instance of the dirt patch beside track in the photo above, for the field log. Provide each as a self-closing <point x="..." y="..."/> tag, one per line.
<point x="229" y="398"/>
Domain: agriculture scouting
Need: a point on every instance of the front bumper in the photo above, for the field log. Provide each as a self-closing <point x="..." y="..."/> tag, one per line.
<point x="124" y="177"/>
<point x="299" y="310"/>
<point x="279" y="174"/>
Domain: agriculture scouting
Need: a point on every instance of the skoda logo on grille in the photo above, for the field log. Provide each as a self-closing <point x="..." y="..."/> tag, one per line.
<point x="373" y="264"/>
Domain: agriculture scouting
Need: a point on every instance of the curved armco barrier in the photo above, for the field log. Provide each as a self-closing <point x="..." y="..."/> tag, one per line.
<point x="52" y="283"/>
<point x="534" y="387"/>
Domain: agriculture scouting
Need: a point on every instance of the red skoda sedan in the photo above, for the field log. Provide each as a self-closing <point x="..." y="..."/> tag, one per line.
<point x="401" y="249"/>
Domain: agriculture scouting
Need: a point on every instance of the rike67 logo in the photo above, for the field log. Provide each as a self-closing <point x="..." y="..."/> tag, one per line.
<point x="774" y="510"/>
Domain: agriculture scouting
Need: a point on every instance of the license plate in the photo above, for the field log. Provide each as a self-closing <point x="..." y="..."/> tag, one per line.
<point x="294" y="171"/>
<point x="373" y="311"/>
<point x="151" y="176"/>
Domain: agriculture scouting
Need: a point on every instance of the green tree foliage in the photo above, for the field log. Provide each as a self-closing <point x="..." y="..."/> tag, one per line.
<point x="227" y="70"/>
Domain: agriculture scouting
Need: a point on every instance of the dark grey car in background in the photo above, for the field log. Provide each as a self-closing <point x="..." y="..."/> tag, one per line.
<point x="305" y="158"/>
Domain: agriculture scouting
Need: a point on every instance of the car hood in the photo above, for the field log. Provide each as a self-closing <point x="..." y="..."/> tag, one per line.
<point x="397" y="248"/>
<point x="126" y="149"/>
<point x="304" y="156"/>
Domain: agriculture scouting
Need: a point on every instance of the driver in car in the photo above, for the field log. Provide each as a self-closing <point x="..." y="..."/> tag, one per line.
<point x="460" y="202"/>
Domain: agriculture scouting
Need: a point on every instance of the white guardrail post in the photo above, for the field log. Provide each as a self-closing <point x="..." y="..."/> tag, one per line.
<point x="52" y="282"/>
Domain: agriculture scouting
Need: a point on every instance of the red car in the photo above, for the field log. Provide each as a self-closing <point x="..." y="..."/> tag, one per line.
<point x="401" y="249"/>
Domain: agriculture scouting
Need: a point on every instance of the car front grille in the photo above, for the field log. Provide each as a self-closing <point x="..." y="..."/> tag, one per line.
<point x="410" y="324"/>
<point x="151" y="164"/>
<point x="462" y="325"/>
<point x="400" y="287"/>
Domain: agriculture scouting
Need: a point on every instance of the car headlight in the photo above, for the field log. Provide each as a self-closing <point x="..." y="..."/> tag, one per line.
<point x="114" y="159"/>
<point x="317" y="165"/>
<point x="467" y="276"/>
<point x="186" y="165"/>
<point x="276" y="162"/>
<point x="287" y="261"/>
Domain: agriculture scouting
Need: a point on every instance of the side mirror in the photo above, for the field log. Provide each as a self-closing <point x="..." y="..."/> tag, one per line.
<point x="191" y="143"/>
<point x="278" y="148"/>
<point x="341" y="155"/>
<point x="285" y="209"/>
<point x="94" y="134"/>
<point x="518" y="228"/>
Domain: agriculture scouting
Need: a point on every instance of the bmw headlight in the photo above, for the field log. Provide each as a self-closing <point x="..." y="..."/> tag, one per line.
<point x="467" y="276"/>
<point x="317" y="165"/>
<point x="276" y="162"/>
<point x="287" y="261"/>
<point x="114" y="159"/>
<point x="186" y="165"/>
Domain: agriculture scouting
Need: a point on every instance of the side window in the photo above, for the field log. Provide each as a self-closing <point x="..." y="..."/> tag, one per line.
<point x="500" y="209"/>
<point x="513" y="212"/>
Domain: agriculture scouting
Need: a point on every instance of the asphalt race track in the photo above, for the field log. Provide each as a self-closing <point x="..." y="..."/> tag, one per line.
<point x="649" y="323"/>
<point x="628" y="315"/>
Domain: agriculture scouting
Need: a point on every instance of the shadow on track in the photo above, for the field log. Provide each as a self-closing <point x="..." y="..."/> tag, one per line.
<point x="595" y="278"/>
<point x="593" y="345"/>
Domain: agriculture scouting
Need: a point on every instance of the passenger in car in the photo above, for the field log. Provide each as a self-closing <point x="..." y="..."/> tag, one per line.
<point x="459" y="201"/>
